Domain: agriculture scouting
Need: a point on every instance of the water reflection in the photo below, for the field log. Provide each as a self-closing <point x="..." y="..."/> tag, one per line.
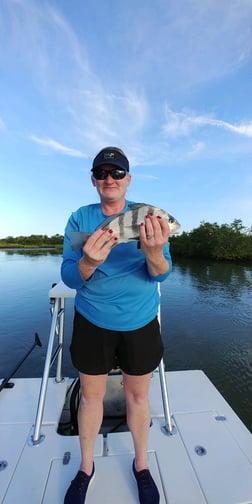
<point x="216" y="275"/>
<point x="206" y="324"/>
<point x="30" y="252"/>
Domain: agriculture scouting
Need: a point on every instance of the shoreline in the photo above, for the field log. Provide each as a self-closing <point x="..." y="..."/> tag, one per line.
<point x="35" y="247"/>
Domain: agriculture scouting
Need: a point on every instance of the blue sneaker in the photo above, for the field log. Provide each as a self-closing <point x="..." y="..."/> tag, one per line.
<point x="147" y="489"/>
<point x="76" y="493"/>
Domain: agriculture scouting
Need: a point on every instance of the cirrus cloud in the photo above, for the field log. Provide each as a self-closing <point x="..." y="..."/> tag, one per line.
<point x="183" y="124"/>
<point x="51" y="144"/>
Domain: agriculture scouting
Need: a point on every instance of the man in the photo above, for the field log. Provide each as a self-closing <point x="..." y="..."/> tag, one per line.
<point x="115" y="316"/>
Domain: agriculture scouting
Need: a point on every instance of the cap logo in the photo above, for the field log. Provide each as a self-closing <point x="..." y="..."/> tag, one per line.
<point x="109" y="155"/>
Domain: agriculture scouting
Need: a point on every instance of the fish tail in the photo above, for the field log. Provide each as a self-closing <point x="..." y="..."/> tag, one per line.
<point x="77" y="239"/>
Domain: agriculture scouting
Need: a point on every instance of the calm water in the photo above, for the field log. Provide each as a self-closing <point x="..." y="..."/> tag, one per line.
<point x="206" y="320"/>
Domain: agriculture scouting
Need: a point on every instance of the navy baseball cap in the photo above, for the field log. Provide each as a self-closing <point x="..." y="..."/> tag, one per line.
<point x="111" y="156"/>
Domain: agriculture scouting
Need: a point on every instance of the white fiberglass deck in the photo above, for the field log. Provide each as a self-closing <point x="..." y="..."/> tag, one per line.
<point x="38" y="474"/>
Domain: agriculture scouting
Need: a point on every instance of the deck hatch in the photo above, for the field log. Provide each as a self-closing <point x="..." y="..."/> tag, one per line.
<point x="113" y="483"/>
<point x="224" y="473"/>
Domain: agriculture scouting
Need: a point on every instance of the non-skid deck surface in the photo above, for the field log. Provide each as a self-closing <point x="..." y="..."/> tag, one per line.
<point x="113" y="483"/>
<point x="38" y="475"/>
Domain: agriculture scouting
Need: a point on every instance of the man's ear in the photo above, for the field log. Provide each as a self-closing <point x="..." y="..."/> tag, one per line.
<point x="93" y="181"/>
<point x="129" y="178"/>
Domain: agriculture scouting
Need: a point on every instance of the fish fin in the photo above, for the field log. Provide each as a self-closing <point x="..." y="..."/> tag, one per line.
<point x="77" y="239"/>
<point x="136" y="206"/>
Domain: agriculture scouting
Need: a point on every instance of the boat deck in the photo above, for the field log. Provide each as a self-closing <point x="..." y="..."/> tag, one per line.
<point x="207" y="459"/>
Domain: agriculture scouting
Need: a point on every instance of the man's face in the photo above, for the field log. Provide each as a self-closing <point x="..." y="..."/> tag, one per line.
<point x="109" y="189"/>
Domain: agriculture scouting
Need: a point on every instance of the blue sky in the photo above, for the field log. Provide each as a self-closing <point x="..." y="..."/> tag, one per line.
<point x="169" y="81"/>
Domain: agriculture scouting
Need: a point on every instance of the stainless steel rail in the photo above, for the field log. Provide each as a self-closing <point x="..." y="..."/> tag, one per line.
<point x="168" y="427"/>
<point x="56" y="330"/>
<point x="60" y="341"/>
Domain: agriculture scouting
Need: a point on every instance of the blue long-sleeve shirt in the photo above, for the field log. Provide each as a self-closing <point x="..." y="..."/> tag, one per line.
<point x="121" y="294"/>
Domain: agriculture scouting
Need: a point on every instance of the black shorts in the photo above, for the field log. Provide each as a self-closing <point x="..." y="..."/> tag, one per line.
<point x="96" y="351"/>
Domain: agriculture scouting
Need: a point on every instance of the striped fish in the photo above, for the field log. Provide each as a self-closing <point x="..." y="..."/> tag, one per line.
<point x="126" y="225"/>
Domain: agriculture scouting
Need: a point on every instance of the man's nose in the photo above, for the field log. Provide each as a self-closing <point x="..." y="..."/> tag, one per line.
<point x="109" y="176"/>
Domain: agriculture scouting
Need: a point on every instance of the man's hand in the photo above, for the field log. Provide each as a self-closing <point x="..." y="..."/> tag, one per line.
<point x="96" y="251"/>
<point x="154" y="234"/>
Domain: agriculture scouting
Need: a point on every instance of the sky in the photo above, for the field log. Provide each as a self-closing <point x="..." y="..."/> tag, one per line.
<point x="168" y="81"/>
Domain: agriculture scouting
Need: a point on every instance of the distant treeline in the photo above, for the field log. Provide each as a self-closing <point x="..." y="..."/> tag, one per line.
<point x="32" y="241"/>
<point x="230" y="242"/>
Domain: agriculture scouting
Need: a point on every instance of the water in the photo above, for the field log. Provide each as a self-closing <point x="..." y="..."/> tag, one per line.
<point x="206" y="320"/>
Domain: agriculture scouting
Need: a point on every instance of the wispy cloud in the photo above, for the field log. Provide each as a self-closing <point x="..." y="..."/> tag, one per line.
<point x="112" y="98"/>
<point x="182" y="124"/>
<point x="102" y="118"/>
<point x="242" y="128"/>
<point x="2" y="124"/>
<point x="59" y="68"/>
<point x="145" y="176"/>
<point x="191" y="41"/>
<point x="49" y="143"/>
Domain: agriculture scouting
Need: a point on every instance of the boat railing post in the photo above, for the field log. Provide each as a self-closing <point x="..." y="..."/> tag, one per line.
<point x="168" y="427"/>
<point x="167" y="413"/>
<point x="59" y="378"/>
<point x="36" y="438"/>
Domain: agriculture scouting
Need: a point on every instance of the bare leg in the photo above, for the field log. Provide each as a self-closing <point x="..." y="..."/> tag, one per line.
<point x="138" y="415"/>
<point x="90" y="416"/>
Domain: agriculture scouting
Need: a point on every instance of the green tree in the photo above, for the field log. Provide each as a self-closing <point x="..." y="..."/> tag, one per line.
<point x="225" y="242"/>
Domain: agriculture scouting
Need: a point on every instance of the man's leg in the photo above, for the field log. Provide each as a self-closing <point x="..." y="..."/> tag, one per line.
<point x="93" y="388"/>
<point x="138" y="414"/>
<point x="89" y="419"/>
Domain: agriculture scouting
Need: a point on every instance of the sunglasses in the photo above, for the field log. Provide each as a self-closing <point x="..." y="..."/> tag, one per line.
<point x="102" y="174"/>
